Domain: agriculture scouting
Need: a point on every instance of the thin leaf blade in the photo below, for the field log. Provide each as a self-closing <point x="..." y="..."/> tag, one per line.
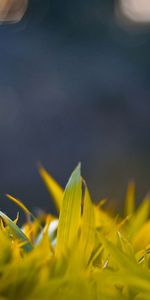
<point x="70" y="214"/>
<point x="53" y="187"/>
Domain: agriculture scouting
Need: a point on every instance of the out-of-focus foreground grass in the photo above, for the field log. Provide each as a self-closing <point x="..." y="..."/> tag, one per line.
<point x="84" y="254"/>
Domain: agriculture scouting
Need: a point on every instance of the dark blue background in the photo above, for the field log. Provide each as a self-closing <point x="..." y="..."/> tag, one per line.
<point x="74" y="86"/>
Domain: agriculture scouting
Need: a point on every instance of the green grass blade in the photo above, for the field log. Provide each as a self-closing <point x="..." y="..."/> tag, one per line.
<point x="17" y="231"/>
<point x="70" y="214"/>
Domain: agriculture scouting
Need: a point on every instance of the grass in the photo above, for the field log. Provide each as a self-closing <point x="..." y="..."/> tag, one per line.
<point x="87" y="255"/>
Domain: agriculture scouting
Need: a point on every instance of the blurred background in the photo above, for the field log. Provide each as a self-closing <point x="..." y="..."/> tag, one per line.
<point x="74" y="86"/>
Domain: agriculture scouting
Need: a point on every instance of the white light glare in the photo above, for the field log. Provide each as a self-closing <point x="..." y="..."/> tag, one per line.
<point x="135" y="10"/>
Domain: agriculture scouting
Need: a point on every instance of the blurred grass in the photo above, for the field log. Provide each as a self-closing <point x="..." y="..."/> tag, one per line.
<point x="89" y="255"/>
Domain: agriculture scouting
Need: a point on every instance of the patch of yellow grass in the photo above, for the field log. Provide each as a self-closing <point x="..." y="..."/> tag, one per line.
<point x="86" y="254"/>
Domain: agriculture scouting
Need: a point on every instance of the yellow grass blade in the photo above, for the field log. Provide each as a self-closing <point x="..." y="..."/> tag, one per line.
<point x="23" y="207"/>
<point x="140" y="217"/>
<point x="102" y="218"/>
<point x="87" y="237"/>
<point x="142" y="238"/>
<point x="19" y="203"/>
<point x="70" y="214"/>
<point x="53" y="187"/>
<point x="130" y="199"/>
